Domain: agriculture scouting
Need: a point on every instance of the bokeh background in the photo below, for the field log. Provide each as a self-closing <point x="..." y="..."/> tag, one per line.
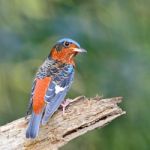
<point x="117" y="36"/>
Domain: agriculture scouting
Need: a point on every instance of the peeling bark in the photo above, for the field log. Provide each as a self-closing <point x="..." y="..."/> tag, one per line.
<point x="82" y="115"/>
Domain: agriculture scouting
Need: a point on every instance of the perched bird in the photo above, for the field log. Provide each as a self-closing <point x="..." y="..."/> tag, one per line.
<point x="52" y="83"/>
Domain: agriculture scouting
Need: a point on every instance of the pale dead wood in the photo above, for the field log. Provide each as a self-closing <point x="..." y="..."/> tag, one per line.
<point x="82" y="115"/>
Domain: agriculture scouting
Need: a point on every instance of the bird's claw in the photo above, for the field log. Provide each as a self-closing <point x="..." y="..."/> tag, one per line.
<point x="64" y="104"/>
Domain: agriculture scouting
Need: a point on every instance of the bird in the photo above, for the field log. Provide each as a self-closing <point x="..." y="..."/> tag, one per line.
<point x="51" y="84"/>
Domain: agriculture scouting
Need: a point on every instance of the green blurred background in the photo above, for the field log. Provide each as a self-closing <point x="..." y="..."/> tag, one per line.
<point x="117" y="36"/>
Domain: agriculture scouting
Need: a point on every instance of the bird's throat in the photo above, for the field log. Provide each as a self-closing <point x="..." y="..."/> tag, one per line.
<point x="64" y="58"/>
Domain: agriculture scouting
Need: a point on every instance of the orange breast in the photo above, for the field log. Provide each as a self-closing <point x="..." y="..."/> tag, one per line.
<point x="39" y="94"/>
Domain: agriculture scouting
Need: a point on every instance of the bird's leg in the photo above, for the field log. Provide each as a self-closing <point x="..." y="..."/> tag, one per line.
<point x="64" y="104"/>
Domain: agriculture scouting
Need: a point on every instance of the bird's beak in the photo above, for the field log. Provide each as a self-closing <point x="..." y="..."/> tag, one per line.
<point x="80" y="50"/>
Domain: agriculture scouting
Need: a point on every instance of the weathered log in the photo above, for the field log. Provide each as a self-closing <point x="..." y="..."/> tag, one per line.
<point x="82" y="115"/>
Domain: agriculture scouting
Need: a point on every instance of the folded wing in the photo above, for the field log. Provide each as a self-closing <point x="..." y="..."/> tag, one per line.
<point x="56" y="92"/>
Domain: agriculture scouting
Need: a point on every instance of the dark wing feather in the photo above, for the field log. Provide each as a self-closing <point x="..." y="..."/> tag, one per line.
<point x="56" y="92"/>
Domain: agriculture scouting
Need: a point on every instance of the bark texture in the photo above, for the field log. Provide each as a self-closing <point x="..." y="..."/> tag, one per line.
<point x="82" y="115"/>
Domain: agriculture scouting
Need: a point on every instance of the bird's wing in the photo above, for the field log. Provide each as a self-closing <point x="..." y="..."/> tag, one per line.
<point x="57" y="91"/>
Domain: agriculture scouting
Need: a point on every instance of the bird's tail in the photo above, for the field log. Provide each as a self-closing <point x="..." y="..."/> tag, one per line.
<point x="33" y="126"/>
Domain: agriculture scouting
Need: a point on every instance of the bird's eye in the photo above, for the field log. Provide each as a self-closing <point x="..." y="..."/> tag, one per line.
<point x="66" y="44"/>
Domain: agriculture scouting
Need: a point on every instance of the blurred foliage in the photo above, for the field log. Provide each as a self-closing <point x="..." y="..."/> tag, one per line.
<point x="117" y="37"/>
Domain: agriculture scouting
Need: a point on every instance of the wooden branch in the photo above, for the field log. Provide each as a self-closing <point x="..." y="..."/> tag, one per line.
<point x="82" y="115"/>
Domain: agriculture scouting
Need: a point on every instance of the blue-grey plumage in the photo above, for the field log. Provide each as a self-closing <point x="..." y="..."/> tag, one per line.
<point x="55" y="94"/>
<point x="53" y="105"/>
<point x="51" y="84"/>
<point x="33" y="126"/>
<point x="61" y="81"/>
<point x="68" y="40"/>
<point x="57" y="91"/>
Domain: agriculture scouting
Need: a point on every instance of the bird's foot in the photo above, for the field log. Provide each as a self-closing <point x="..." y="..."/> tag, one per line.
<point x="64" y="104"/>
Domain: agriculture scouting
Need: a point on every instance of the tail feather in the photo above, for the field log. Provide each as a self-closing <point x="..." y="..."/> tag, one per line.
<point x="33" y="126"/>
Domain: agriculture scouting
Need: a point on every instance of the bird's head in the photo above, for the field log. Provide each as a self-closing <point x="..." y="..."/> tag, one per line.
<point x="65" y="50"/>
